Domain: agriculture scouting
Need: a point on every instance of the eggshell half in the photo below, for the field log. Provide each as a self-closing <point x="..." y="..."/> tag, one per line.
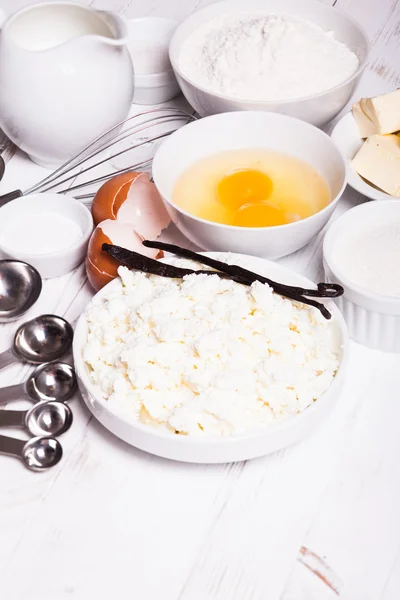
<point x="111" y="195"/>
<point x="144" y="209"/>
<point x="101" y="268"/>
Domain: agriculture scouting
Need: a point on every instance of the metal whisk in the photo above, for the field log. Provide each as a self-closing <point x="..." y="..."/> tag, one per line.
<point x="154" y="125"/>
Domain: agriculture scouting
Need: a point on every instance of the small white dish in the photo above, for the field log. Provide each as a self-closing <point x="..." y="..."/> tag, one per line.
<point x="148" y="43"/>
<point x="373" y="319"/>
<point x="347" y="138"/>
<point x="16" y="216"/>
<point x="248" y="129"/>
<point x="194" y="449"/>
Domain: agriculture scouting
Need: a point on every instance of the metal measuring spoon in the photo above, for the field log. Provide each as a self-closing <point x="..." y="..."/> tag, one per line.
<point x="46" y="418"/>
<point x="51" y="381"/>
<point x="37" y="453"/>
<point x="20" y="287"/>
<point x="40" y="340"/>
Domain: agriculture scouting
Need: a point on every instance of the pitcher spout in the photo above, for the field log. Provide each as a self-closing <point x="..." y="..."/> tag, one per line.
<point x="45" y="26"/>
<point x="117" y="26"/>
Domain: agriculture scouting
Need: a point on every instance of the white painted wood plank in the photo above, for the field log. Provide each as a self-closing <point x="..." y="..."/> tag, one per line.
<point x="177" y="9"/>
<point x="391" y="587"/>
<point x="357" y="527"/>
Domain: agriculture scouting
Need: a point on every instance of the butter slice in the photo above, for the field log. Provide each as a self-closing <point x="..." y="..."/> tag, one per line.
<point x="365" y="125"/>
<point x="378" y="161"/>
<point x="383" y="111"/>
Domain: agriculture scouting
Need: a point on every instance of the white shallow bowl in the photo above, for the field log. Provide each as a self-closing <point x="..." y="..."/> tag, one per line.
<point x="347" y="138"/>
<point x="57" y="263"/>
<point x="317" y="109"/>
<point x="373" y="320"/>
<point x="153" y="88"/>
<point x="248" y="129"/>
<point x="211" y="449"/>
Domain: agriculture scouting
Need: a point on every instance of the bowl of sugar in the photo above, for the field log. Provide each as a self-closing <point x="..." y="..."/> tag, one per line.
<point x="361" y="253"/>
<point x="49" y="231"/>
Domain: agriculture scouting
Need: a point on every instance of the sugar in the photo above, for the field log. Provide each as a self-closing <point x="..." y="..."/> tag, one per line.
<point x="40" y="233"/>
<point x="371" y="258"/>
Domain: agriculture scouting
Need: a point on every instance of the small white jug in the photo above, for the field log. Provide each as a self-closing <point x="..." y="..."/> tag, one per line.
<point x="65" y="78"/>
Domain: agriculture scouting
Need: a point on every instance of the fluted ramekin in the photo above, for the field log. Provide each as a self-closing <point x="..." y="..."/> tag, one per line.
<point x="372" y="319"/>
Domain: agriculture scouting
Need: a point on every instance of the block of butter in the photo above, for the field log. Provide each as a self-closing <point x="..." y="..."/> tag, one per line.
<point x="378" y="161"/>
<point x="366" y="127"/>
<point x="378" y="115"/>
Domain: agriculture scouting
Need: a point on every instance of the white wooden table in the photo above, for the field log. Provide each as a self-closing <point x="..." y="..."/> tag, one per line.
<point x="317" y="521"/>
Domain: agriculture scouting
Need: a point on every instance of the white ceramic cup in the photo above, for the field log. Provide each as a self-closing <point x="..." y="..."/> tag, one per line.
<point x="248" y="129"/>
<point x="52" y="264"/>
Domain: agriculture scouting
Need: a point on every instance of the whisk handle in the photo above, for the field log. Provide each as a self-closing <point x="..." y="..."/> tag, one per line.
<point x="10" y="196"/>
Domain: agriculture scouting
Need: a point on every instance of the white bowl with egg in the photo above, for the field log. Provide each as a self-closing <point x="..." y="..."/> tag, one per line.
<point x="255" y="130"/>
<point x="148" y="43"/>
<point x="318" y="107"/>
<point x="361" y="253"/>
<point x="214" y="448"/>
<point x="49" y="231"/>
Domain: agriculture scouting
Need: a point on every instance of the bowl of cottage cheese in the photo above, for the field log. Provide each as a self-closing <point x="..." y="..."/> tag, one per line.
<point x="203" y="369"/>
<point x="298" y="57"/>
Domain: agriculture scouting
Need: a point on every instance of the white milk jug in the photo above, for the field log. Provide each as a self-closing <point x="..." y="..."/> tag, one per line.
<point x="65" y="78"/>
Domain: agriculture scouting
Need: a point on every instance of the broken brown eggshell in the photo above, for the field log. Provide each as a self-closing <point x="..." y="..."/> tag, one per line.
<point x="101" y="268"/>
<point x="126" y="210"/>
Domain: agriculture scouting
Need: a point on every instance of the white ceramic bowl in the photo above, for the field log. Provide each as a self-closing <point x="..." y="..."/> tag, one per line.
<point x="54" y="264"/>
<point x="317" y="109"/>
<point x="248" y="130"/>
<point x="372" y="319"/>
<point x="347" y="138"/>
<point x="158" y="86"/>
<point x="214" y="450"/>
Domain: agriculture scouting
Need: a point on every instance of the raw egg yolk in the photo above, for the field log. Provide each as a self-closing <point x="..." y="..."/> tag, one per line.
<point x="260" y="214"/>
<point x="245" y="194"/>
<point x="244" y="186"/>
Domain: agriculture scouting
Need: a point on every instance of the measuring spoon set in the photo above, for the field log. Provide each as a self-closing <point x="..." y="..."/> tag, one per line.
<point x="42" y="341"/>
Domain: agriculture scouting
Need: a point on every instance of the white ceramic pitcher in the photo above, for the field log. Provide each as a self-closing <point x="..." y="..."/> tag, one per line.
<point x="65" y="78"/>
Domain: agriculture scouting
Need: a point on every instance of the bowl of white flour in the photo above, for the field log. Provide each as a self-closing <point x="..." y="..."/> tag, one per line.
<point x="297" y="57"/>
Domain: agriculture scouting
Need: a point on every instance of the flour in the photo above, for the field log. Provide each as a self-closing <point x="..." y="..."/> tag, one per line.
<point x="258" y="56"/>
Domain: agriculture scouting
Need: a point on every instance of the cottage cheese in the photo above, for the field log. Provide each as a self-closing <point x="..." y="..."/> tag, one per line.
<point x="205" y="355"/>
<point x="258" y="56"/>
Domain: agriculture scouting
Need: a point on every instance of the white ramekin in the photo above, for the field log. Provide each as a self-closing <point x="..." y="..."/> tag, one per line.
<point x="373" y="320"/>
<point x="57" y="263"/>
<point x="153" y="88"/>
<point x="156" y="88"/>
